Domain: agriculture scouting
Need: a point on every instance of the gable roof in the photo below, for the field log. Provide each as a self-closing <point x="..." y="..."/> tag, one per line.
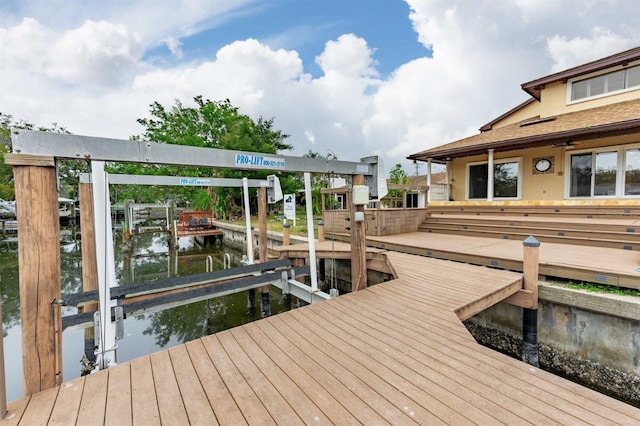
<point x="490" y="124"/>
<point x="534" y="87"/>
<point x="605" y="121"/>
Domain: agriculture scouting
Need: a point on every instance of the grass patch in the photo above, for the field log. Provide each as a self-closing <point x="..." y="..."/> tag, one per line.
<point x="598" y="288"/>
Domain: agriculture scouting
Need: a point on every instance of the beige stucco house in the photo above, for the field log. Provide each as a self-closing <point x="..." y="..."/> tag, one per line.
<point x="576" y="140"/>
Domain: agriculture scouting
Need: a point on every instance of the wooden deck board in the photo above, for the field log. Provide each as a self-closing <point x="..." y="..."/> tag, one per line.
<point x="319" y="396"/>
<point x="393" y="353"/>
<point x="442" y="371"/>
<point x="194" y="397"/>
<point x="170" y="403"/>
<point x="379" y="358"/>
<point x="304" y="407"/>
<point x="94" y="399"/>
<point x="352" y="385"/>
<point x="463" y="370"/>
<point x="464" y="348"/>
<point x="278" y="407"/>
<point x="118" y="409"/>
<point x="596" y="264"/>
<point x="225" y="409"/>
<point x="40" y="406"/>
<point x="144" y="403"/>
<point x="249" y="404"/>
<point x="68" y="401"/>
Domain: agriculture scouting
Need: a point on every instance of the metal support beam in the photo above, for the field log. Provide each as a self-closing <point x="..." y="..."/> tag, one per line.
<point x="78" y="147"/>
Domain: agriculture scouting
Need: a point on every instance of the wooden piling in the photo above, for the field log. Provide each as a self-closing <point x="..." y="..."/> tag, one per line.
<point x="321" y="231"/>
<point x="286" y="234"/>
<point x="39" y="270"/>
<point x="530" y="267"/>
<point x="89" y="261"/>
<point x="358" y="244"/>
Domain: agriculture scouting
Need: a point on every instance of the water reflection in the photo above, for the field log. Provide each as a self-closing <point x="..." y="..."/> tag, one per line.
<point x="150" y="259"/>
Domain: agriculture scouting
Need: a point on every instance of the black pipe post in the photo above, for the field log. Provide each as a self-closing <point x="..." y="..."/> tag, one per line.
<point x="266" y="306"/>
<point x="251" y="299"/>
<point x="530" y="269"/>
<point x="322" y="271"/>
<point x="530" y="336"/>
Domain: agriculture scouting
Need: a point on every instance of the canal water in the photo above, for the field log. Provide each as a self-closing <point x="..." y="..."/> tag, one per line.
<point x="149" y="260"/>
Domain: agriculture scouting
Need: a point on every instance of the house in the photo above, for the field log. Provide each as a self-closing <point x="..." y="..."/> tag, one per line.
<point x="575" y="141"/>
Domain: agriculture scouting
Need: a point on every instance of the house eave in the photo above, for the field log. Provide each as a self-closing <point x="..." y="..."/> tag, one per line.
<point x="565" y="137"/>
<point x="535" y="87"/>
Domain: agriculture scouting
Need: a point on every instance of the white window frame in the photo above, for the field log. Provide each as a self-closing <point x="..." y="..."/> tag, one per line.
<point x="495" y="161"/>
<point x="570" y="82"/>
<point x="620" y="171"/>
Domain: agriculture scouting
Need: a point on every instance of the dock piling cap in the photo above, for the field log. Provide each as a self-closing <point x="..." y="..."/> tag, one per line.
<point x="531" y="241"/>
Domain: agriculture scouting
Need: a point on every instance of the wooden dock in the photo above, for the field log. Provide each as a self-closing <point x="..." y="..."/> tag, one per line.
<point x="582" y="263"/>
<point x="197" y="224"/>
<point x="394" y="353"/>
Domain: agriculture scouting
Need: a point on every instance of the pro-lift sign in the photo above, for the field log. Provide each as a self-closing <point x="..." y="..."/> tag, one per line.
<point x="259" y="161"/>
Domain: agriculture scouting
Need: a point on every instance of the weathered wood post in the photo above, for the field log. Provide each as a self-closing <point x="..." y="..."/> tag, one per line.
<point x="530" y="315"/>
<point x="89" y="262"/>
<point x="286" y="234"/>
<point x="127" y="225"/>
<point x="39" y="270"/>
<point x="358" y="244"/>
<point x="321" y="231"/>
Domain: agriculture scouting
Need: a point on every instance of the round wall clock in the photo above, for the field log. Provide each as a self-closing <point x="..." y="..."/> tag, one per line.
<point x="542" y="165"/>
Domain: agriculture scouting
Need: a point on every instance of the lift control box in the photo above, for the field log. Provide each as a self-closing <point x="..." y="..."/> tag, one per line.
<point x="360" y="195"/>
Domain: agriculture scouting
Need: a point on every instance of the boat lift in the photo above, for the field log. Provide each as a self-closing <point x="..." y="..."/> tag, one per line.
<point x="32" y="145"/>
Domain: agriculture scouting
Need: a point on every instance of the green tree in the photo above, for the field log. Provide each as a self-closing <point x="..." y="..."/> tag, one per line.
<point x="68" y="170"/>
<point x="209" y="124"/>
<point x="397" y="175"/>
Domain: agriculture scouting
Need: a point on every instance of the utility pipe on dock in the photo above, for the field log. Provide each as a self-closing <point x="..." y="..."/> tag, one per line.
<point x="530" y="315"/>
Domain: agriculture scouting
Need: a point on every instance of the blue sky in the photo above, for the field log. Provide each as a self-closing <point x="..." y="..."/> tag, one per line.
<point x="351" y="77"/>
<point x="305" y="26"/>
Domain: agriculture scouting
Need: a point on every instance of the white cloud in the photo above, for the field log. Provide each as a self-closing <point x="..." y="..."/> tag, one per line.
<point x="96" y="53"/>
<point x="174" y="46"/>
<point x="92" y="76"/>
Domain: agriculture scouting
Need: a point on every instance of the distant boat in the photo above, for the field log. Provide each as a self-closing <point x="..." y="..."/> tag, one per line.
<point x="7" y="209"/>
<point x="66" y="209"/>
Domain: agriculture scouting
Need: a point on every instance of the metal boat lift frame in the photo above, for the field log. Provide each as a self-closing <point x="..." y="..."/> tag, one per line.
<point x="34" y="146"/>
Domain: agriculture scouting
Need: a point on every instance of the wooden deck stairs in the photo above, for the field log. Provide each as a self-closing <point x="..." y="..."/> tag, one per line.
<point x="600" y="226"/>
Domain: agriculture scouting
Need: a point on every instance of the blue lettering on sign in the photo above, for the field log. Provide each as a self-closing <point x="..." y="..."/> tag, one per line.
<point x="195" y="181"/>
<point x="259" y="161"/>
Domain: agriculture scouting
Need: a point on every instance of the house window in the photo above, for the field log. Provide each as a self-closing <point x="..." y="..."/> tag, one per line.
<point x="627" y="78"/>
<point x="506" y="179"/>
<point x="632" y="172"/>
<point x="478" y="180"/>
<point x="594" y="174"/>
<point x="608" y="172"/>
<point x="412" y="200"/>
<point x="581" y="175"/>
